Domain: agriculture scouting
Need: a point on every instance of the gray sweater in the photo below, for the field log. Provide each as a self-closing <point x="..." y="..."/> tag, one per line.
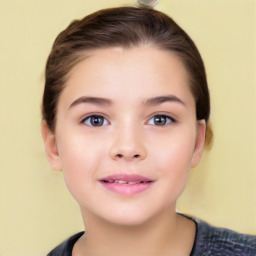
<point x="209" y="241"/>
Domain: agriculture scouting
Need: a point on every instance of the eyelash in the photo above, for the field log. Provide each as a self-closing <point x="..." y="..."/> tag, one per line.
<point x="167" y="119"/>
<point x="103" y="121"/>
<point x="89" y="119"/>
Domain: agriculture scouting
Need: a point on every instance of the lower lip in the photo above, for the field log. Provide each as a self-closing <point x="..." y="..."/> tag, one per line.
<point x="126" y="189"/>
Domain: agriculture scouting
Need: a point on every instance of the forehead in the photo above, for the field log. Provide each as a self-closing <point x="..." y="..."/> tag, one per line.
<point x="124" y="74"/>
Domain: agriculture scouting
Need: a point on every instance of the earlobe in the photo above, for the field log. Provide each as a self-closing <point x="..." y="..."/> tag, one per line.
<point x="200" y="142"/>
<point x="50" y="146"/>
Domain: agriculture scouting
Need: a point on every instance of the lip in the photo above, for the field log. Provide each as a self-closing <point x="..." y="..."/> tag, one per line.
<point x="130" y="184"/>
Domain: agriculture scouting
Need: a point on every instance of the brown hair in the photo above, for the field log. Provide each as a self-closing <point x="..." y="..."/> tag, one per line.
<point x="124" y="27"/>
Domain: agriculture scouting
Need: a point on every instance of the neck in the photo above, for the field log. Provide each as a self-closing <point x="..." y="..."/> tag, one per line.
<point x="166" y="234"/>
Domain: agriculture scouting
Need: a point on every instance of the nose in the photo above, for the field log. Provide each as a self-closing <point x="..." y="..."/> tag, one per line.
<point x="128" y="145"/>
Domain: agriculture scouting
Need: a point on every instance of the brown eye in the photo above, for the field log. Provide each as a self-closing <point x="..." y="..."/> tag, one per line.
<point x="95" y="120"/>
<point x="160" y="120"/>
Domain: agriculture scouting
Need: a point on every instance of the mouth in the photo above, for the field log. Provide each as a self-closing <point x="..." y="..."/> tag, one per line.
<point x="126" y="184"/>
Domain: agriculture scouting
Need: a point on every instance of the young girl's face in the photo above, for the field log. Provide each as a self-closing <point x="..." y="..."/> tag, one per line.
<point x="126" y="133"/>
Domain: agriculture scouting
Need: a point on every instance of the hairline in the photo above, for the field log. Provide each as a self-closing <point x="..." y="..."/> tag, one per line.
<point x="81" y="55"/>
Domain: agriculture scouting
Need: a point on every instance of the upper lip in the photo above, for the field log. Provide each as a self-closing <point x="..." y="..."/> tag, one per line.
<point x="127" y="178"/>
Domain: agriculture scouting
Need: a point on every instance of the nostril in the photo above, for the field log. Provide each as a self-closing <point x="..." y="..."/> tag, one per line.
<point x="121" y="156"/>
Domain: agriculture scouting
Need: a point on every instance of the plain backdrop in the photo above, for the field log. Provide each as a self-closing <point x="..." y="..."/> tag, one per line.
<point x="36" y="211"/>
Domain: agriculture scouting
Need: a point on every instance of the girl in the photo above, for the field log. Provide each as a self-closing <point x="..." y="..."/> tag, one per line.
<point x="125" y="116"/>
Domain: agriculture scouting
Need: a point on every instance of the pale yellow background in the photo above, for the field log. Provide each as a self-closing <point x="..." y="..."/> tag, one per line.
<point x="36" y="211"/>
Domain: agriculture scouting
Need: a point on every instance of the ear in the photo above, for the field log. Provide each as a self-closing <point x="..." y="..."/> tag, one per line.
<point x="50" y="146"/>
<point x="199" y="143"/>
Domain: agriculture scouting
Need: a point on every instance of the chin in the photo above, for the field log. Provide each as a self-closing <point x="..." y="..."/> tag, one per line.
<point x="129" y="217"/>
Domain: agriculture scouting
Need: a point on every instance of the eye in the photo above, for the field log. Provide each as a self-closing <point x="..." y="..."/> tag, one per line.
<point x="160" y="120"/>
<point x="95" y="120"/>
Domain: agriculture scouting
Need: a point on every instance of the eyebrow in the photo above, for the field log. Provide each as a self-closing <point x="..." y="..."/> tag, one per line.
<point x="162" y="99"/>
<point x="107" y="102"/>
<point x="92" y="100"/>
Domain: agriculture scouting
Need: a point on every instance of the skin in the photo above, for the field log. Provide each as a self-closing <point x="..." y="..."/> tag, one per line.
<point x="129" y="141"/>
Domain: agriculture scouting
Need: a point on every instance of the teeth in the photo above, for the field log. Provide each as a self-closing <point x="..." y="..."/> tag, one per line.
<point x="133" y="182"/>
<point x="124" y="182"/>
<point x="108" y="181"/>
<point x="121" y="181"/>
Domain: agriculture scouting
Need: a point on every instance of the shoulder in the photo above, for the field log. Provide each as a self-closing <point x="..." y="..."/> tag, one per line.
<point x="217" y="241"/>
<point x="65" y="248"/>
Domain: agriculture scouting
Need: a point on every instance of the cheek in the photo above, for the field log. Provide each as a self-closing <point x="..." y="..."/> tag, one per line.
<point x="174" y="169"/>
<point x="173" y="161"/>
<point x="176" y="150"/>
<point x="79" y="157"/>
<point x="79" y="150"/>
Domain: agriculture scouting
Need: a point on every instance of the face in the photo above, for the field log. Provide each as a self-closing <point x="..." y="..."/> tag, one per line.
<point x="126" y="133"/>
